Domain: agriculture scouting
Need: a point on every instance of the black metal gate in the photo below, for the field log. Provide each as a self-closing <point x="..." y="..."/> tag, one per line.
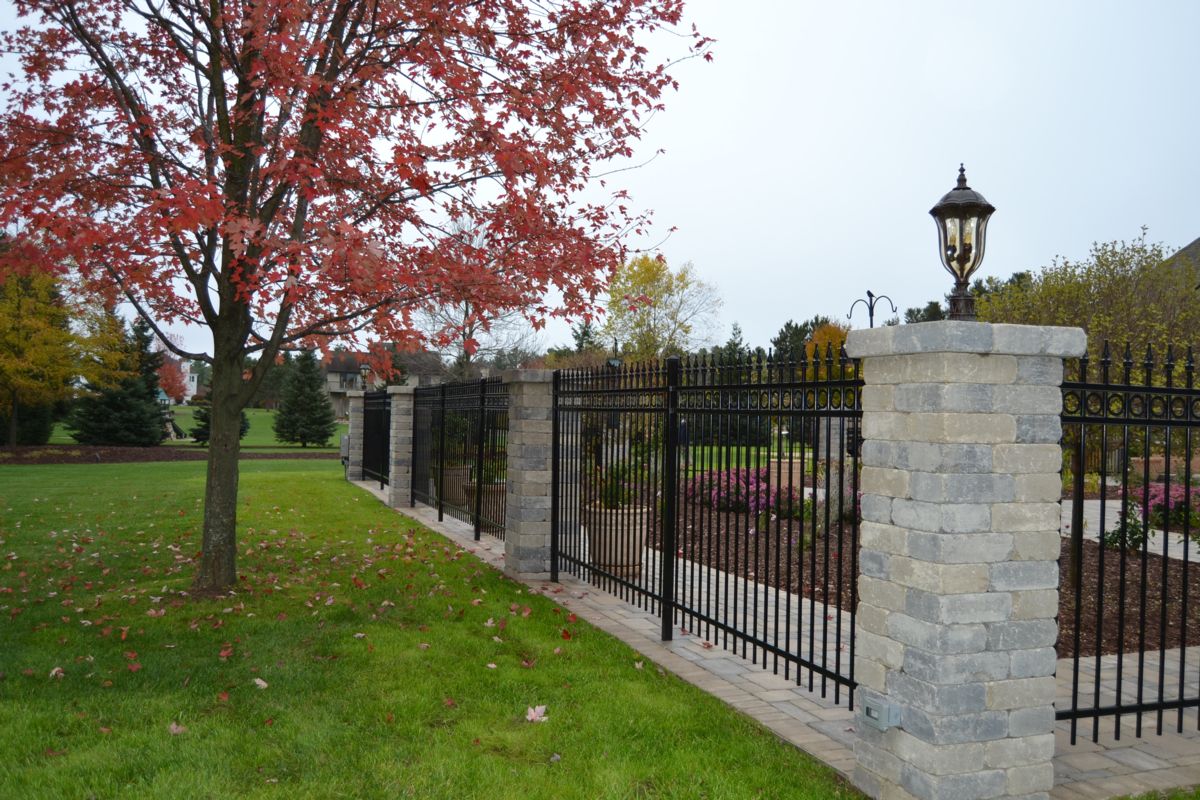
<point x="377" y="430"/>
<point x="721" y="497"/>
<point x="1128" y="622"/>
<point x="460" y="460"/>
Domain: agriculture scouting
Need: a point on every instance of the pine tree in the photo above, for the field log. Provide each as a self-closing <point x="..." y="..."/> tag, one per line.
<point x="201" y="417"/>
<point x="305" y="415"/>
<point x="127" y="413"/>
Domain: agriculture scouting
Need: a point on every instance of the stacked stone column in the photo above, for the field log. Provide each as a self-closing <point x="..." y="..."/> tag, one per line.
<point x="400" y="445"/>
<point x="527" y="509"/>
<point x="354" y="464"/>
<point x="958" y="586"/>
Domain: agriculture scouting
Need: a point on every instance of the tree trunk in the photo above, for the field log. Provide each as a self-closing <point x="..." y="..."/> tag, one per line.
<point x="12" y="422"/>
<point x="218" y="558"/>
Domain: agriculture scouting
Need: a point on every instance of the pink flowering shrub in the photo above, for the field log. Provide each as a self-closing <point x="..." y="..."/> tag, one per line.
<point x="1162" y="507"/>
<point x="745" y="489"/>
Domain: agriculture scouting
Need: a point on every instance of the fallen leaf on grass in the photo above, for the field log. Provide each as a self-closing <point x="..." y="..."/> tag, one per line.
<point x="536" y="714"/>
<point x="571" y="617"/>
<point x="58" y="673"/>
<point x="260" y="683"/>
<point x="223" y="697"/>
<point x="449" y="703"/>
<point x="269" y="721"/>
<point x="566" y="634"/>
<point x="424" y="645"/>
<point x="134" y="666"/>
<point x="105" y="730"/>
<point x="360" y="636"/>
<point x="637" y="665"/>
<point x="175" y="728"/>
<point x="555" y="758"/>
<point x="491" y="666"/>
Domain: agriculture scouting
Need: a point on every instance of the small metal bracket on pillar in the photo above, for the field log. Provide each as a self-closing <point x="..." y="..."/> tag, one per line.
<point x="669" y="512"/>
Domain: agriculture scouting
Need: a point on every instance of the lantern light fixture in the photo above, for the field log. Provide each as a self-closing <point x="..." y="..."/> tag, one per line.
<point x="962" y="217"/>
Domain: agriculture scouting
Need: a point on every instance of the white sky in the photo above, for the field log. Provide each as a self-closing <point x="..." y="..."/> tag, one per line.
<point x="802" y="162"/>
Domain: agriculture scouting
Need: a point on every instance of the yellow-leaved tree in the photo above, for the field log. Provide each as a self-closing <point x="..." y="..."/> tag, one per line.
<point x="654" y="311"/>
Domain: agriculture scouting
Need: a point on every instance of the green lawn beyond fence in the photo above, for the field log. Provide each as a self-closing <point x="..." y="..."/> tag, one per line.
<point x="362" y="656"/>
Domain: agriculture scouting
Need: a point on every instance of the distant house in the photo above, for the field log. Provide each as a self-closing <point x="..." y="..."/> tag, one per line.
<point x="343" y="373"/>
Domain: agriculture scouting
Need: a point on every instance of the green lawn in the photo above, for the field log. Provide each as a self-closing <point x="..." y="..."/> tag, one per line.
<point x="261" y="435"/>
<point x="391" y="663"/>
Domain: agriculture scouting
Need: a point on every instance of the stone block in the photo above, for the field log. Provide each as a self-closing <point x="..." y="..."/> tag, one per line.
<point x="1038" y="428"/>
<point x="946" y="759"/>
<point x="1015" y="517"/>
<point x="1043" y="487"/>
<point x="943" y="699"/>
<point x="1036" y="545"/>
<point x="1035" y="604"/>
<point x="1036" y="663"/>
<point x="1031" y="721"/>
<point x="887" y="482"/>
<point x="882" y="594"/>
<point x="960" y="548"/>
<point x="1039" y="340"/>
<point x="884" y="538"/>
<point x="886" y="651"/>
<point x="1030" y="778"/>
<point x="873" y="564"/>
<point x="980" y="726"/>
<point x="978" y="785"/>
<point x="959" y="608"/>
<point x="937" y="578"/>
<point x="1044" y="370"/>
<point x="1020" y="693"/>
<point x="1019" y="751"/>
<point x="1022" y="634"/>
<point x="1014" y="575"/>
<point x="934" y="638"/>
<point x="955" y="488"/>
<point x="878" y="398"/>
<point x="956" y="668"/>
<point x="1028" y="399"/>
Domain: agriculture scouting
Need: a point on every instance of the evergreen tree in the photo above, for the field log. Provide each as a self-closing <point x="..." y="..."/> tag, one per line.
<point x="200" y="433"/>
<point x="305" y="415"/>
<point x="127" y="413"/>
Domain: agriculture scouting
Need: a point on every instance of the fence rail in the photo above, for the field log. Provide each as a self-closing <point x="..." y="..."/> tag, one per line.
<point x="460" y="433"/>
<point x="721" y="497"/>
<point x="1128" y="572"/>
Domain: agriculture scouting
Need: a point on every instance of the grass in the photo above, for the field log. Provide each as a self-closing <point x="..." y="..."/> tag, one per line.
<point x="261" y="435"/>
<point x="395" y="664"/>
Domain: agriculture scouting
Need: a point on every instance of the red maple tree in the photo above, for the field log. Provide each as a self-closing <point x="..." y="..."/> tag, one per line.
<point x="170" y="378"/>
<point x="285" y="171"/>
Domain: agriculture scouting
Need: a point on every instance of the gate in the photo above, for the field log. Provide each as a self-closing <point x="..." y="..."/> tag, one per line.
<point x="1128" y="622"/>
<point x="377" y="429"/>
<point x="721" y="497"/>
<point x="460" y="457"/>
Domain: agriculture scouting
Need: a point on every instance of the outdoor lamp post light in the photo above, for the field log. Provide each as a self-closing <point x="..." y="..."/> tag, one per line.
<point x="870" y="302"/>
<point x="962" y="217"/>
<point x="364" y="370"/>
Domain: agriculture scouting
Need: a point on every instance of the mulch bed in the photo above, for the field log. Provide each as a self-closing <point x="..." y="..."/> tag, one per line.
<point x="1114" y="635"/>
<point x="89" y="454"/>
<point x="730" y="542"/>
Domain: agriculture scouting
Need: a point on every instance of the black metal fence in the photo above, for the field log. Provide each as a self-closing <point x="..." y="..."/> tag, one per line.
<point x="1128" y="621"/>
<point x="722" y="497"/>
<point x="460" y="434"/>
<point x="377" y="431"/>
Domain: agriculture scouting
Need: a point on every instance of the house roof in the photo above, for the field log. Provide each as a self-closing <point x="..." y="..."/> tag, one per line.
<point x="413" y="363"/>
<point x="1189" y="253"/>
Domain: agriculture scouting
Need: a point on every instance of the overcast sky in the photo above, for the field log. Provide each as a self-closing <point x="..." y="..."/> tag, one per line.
<point x="801" y="162"/>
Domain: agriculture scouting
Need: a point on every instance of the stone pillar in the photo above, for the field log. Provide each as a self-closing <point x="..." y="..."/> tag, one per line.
<point x="958" y="585"/>
<point x="527" y="506"/>
<point x="354" y="465"/>
<point x="400" y="444"/>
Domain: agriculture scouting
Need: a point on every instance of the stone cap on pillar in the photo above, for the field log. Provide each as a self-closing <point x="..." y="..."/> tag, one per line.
<point x="527" y="375"/>
<point x="355" y="393"/>
<point x="410" y="383"/>
<point x="966" y="337"/>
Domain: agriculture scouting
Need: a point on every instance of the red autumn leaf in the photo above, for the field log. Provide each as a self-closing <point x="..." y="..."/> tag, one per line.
<point x="269" y="721"/>
<point x="358" y="582"/>
<point x="449" y="703"/>
<point x="226" y="651"/>
<point x="134" y="666"/>
<point x="571" y="617"/>
<point x="566" y="634"/>
<point x="223" y="697"/>
<point x="131" y="655"/>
